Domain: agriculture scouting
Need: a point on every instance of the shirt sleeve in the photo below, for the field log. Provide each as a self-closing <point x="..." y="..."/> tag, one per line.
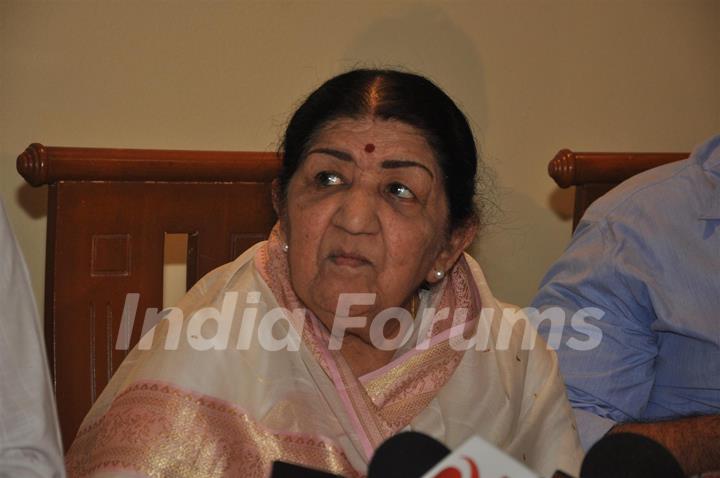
<point x="29" y="435"/>
<point x="591" y="427"/>
<point x="605" y="342"/>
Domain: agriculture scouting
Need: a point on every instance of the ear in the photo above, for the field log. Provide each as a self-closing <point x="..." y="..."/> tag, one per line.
<point x="279" y="207"/>
<point x="276" y="197"/>
<point x="460" y="239"/>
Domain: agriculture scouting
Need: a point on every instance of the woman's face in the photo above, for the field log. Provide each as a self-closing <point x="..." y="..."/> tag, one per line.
<point x="366" y="212"/>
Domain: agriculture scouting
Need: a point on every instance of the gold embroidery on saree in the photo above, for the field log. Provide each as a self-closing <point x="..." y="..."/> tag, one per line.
<point x="159" y="430"/>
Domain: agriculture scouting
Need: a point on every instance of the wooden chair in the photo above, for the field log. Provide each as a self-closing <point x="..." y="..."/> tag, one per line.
<point x="594" y="174"/>
<point x="108" y="213"/>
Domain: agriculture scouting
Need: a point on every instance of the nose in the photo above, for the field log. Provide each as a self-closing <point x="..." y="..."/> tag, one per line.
<point x="358" y="212"/>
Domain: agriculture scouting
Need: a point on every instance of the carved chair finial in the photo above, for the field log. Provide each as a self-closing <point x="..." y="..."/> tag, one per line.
<point x="562" y="168"/>
<point x="33" y="165"/>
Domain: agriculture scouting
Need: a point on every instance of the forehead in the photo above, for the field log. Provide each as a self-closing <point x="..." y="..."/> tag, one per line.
<point x="388" y="137"/>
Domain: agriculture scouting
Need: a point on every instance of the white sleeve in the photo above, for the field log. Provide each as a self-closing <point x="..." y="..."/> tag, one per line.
<point x="29" y="435"/>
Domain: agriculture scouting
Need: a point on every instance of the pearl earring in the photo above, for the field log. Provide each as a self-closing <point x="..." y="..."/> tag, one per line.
<point x="285" y="247"/>
<point x="439" y="274"/>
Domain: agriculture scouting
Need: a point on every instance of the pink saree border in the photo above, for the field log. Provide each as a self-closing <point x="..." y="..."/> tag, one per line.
<point x="447" y="334"/>
<point x="371" y="425"/>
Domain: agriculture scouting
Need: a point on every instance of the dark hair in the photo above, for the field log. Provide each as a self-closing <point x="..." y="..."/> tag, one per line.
<point x="389" y="94"/>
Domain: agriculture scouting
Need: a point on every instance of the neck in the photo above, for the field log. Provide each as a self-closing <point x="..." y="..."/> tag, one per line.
<point x="362" y="357"/>
<point x="357" y="348"/>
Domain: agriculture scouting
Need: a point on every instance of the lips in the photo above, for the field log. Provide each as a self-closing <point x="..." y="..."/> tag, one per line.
<point x="350" y="259"/>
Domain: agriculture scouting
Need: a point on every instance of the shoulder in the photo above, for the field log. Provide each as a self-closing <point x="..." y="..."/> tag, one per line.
<point x="645" y="192"/>
<point x="225" y="275"/>
<point x="678" y="189"/>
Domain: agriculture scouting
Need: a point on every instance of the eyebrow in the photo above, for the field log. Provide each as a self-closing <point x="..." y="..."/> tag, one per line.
<point x="341" y="155"/>
<point x="387" y="164"/>
<point x="398" y="163"/>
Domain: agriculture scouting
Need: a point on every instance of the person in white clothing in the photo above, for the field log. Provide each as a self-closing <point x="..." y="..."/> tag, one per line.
<point x="30" y="443"/>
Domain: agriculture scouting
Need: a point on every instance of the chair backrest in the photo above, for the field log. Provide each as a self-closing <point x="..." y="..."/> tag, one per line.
<point x="108" y="213"/>
<point x="594" y="174"/>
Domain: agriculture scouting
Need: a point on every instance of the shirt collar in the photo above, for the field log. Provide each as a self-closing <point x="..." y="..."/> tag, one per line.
<point x="707" y="155"/>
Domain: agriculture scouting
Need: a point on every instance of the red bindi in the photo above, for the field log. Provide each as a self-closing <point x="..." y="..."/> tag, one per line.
<point x="369" y="148"/>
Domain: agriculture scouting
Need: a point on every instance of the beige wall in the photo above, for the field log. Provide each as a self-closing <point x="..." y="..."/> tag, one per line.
<point x="533" y="76"/>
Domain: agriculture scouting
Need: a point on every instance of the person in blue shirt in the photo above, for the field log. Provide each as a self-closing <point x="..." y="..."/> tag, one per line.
<point x="647" y="256"/>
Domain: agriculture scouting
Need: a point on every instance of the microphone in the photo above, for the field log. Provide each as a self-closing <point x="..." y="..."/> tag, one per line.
<point x="477" y="458"/>
<point x="627" y="455"/>
<point x="281" y="469"/>
<point x="406" y="455"/>
<point x="415" y="455"/>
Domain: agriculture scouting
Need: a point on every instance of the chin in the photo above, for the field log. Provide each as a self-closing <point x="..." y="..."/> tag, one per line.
<point x="327" y="298"/>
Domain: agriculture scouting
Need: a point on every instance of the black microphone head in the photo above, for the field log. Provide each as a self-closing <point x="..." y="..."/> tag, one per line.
<point x="406" y="455"/>
<point x="627" y="455"/>
<point x="282" y="469"/>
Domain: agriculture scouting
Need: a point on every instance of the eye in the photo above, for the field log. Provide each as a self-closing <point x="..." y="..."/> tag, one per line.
<point x="327" y="179"/>
<point x="401" y="191"/>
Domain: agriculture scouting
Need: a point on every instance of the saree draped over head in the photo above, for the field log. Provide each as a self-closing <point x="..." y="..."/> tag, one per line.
<point x="240" y="374"/>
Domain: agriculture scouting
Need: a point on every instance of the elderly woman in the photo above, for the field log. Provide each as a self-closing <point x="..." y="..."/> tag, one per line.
<point x="355" y="320"/>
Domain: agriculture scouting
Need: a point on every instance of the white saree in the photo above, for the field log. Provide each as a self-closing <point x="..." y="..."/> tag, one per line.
<point x="176" y="410"/>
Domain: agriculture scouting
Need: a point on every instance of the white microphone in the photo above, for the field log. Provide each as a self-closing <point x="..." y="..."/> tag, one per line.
<point x="477" y="458"/>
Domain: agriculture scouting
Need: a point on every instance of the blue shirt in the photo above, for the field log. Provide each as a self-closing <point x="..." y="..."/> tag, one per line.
<point x="647" y="255"/>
